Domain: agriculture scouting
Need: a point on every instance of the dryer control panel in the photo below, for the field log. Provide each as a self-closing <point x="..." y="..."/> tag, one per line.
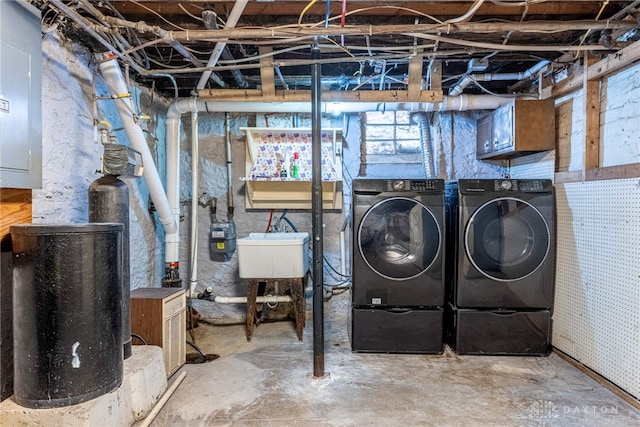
<point x="415" y="185"/>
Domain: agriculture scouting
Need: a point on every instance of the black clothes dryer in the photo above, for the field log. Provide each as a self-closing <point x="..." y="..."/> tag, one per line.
<point x="398" y="265"/>
<point x="500" y="265"/>
<point x="505" y="243"/>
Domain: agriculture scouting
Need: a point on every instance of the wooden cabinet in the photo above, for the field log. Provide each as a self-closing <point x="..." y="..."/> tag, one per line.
<point x="517" y="128"/>
<point x="158" y="315"/>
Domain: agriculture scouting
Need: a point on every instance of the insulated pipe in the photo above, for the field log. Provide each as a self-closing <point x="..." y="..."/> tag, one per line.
<point x="234" y="16"/>
<point x="449" y="103"/>
<point x="115" y="81"/>
<point x="467" y="79"/>
<point x="316" y="213"/>
<point x="269" y="299"/>
<point x="195" y="174"/>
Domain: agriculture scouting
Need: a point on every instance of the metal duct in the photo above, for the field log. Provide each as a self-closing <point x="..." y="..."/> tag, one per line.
<point x="422" y="119"/>
<point x="468" y="78"/>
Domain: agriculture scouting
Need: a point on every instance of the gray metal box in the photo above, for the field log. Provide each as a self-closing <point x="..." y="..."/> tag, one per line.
<point x="20" y="95"/>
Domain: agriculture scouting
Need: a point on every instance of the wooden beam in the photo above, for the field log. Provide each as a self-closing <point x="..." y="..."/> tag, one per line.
<point x="609" y="65"/>
<point x="266" y="72"/>
<point x="415" y="79"/>
<point x="631" y="170"/>
<point x="591" y="118"/>
<point x="256" y="95"/>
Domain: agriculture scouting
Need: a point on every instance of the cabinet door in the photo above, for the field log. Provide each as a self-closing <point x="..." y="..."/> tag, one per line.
<point x="484" y="135"/>
<point x="503" y="128"/>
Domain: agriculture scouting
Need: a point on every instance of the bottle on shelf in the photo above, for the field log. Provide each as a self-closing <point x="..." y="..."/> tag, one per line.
<point x="295" y="171"/>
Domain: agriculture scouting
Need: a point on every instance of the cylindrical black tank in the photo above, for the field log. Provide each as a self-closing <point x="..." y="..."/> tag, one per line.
<point x="66" y="312"/>
<point x="109" y="202"/>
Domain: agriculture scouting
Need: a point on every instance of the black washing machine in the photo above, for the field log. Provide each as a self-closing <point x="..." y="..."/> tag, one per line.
<point x="398" y="265"/>
<point x="501" y="265"/>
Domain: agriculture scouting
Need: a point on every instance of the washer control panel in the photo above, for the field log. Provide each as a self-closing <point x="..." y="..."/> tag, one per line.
<point x="415" y="185"/>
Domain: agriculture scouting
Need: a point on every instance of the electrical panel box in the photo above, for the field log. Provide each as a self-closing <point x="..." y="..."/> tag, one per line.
<point x="20" y="95"/>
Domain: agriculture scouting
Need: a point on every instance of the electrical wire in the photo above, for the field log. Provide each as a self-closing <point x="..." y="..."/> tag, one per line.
<point x="270" y="218"/>
<point x="306" y="8"/>
<point x="472" y="10"/>
<point x="366" y="9"/>
<point x="158" y="15"/>
<point x="188" y="13"/>
<point x="138" y="337"/>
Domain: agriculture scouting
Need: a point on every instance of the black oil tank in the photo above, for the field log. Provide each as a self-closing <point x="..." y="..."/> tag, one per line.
<point x="66" y="312"/>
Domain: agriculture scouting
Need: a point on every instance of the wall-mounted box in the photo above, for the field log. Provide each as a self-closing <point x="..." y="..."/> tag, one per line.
<point x="20" y="95"/>
<point x="517" y="128"/>
<point x="278" y="170"/>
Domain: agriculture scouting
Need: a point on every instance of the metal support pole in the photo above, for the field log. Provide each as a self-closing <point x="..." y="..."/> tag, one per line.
<point x="316" y="212"/>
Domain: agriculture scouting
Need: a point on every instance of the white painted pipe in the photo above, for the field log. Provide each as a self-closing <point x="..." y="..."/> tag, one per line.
<point x="268" y="299"/>
<point x="195" y="172"/>
<point x="114" y="79"/>
<point x="467" y="79"/>
<point x="232" y="20"/>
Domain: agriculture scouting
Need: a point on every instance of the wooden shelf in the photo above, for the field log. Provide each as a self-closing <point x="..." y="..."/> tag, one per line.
<point x="270" y="150"/>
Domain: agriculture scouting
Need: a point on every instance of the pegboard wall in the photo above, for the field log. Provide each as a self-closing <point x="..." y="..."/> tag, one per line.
<point x="596" y="316"/>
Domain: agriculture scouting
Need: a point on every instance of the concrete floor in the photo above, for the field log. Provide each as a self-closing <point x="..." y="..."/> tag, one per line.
<point x="267" y="382"/>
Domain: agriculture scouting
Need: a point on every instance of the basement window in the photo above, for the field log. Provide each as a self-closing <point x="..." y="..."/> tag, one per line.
<point x="391" y="134"/>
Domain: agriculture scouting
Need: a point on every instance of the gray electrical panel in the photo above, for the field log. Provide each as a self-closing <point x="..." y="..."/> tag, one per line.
<point x="20" y="95"/>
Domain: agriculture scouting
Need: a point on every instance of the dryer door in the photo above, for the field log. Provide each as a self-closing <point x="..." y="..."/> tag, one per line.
<point x="399" y="238"/>
<point x="507" y="239"/>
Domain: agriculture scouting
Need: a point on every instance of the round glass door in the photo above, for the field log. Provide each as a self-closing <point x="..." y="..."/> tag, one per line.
<point x="507" y="239"/>
<point x="399" y="238"/>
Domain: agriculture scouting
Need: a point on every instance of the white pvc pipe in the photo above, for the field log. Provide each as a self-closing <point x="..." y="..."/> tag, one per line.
<point x="195" y="171"/>
<point x="269" y="299"/>
<point x="187" y="105"/>
<point x="466" y="80"/>
<point x="233" y="19"/>
<point x="115" y="81"/>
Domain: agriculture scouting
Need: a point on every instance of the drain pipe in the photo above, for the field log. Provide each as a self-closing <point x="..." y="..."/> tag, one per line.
<point x="426" y="144"/>
<point x="195" y="181"/>
<point x="468" y="78"/>
<point x="114" y="79"/>
<point x="269" y="299"/>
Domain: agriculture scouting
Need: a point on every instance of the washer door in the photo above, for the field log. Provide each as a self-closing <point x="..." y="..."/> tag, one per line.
<point x="399" y="238"/>
<point x="507" y="239"/>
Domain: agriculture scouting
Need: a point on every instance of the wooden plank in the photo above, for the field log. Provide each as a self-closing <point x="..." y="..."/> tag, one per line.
<point x="564" y="129"/>
<point x="266" y="72"/>
<point x="253" y="95"/>
<point x="631" y="170"/>
<point x="566" y="177"/>
<point x="15" y="208"/>
<point x="592" y="119"/>
<point x="415" y="79"/>
<point x="435" y="75"/>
